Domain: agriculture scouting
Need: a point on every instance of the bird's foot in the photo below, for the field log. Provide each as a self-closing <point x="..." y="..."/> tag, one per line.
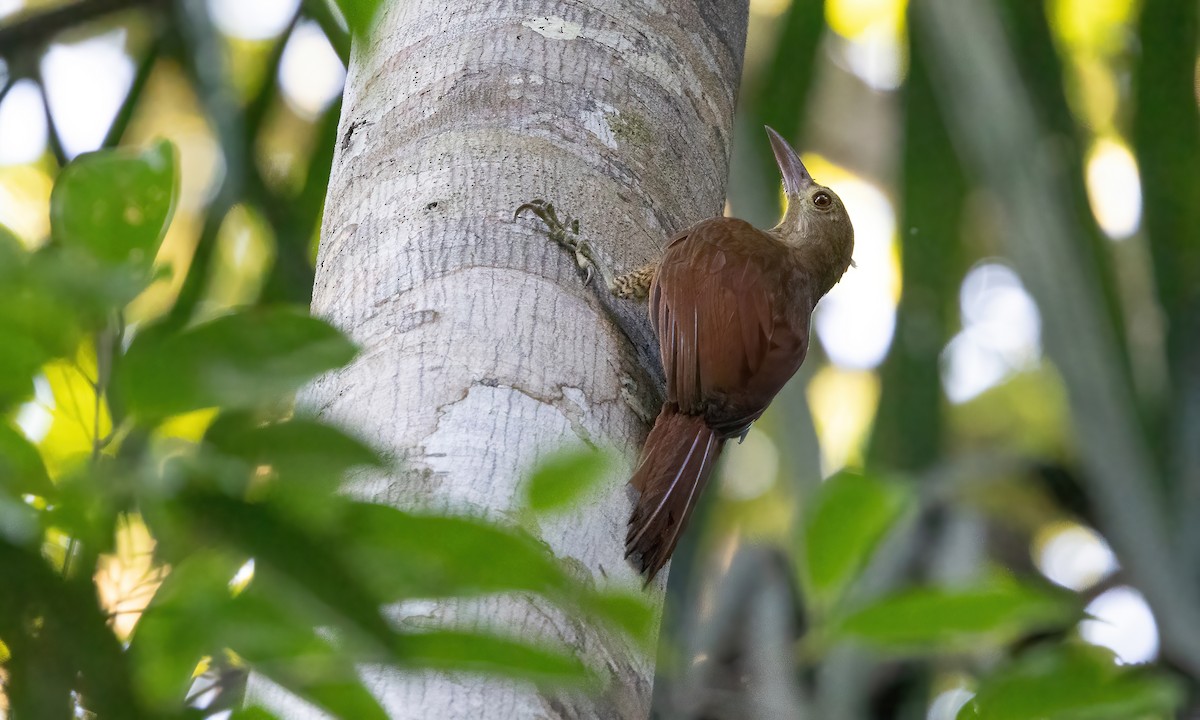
<point x="565" y="232"/>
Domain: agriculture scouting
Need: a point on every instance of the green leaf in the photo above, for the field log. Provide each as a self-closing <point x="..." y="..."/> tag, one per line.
<point x="35" y="325"/>
<point x="20" y="359"/>
<point x="87" y="287"/>
<point x="195" y="614"/>
<point x="181" y="625"/>
<point x="849" y="515"/>
<point x="407" y="555"/>
<point x="561" y="479"/>
<point x="21" y="468"/>
<point x="1072" y="682"/>
<point x="360" y="15"/>
<point x="19" y="522"/>
<point x="310" y="562"/>
<point x="958" y="618"/>
<point x="452" y="650"/>
<point x="284" y="647"/>
<point x="237" y="361"/>
<point x="72" y="638"/>
<point x="12" y="255"/>
<point x="301" y="448"/>
<point x="252" y="713"/>
<point x="116" y="204"/>
<point x="308" y="461"/>
<point x="628" y="612"/>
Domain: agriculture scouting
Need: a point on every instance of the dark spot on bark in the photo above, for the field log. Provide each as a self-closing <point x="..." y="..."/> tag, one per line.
<point x="354" y="126"/>
<point x="431" y="205"/>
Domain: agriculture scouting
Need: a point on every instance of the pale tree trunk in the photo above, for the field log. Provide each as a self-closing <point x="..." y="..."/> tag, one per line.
<point x="481" y="348"/>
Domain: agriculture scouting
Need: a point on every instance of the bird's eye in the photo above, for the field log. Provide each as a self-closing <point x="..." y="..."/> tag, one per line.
<point x="822" y="200"/>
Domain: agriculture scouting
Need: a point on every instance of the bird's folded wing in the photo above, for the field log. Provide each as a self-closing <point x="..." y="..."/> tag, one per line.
<point x="713" y="310"/>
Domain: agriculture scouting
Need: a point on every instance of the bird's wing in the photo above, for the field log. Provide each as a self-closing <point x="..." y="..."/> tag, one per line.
<point x="714" y="308"/>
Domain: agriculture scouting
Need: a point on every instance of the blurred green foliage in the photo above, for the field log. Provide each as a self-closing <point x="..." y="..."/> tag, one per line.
<point x="254" y="487"/>
<point x="562" y="480"/>
<point x="1071" y="681"/>
<point x="172" y="457"/>
<point x="922" y="568"/>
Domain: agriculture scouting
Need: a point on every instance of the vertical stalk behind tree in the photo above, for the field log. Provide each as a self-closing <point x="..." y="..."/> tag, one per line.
<point x="480" y="348"/>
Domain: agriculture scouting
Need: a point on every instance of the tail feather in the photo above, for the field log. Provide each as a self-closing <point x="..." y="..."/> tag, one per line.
<point x="676" y="463"/>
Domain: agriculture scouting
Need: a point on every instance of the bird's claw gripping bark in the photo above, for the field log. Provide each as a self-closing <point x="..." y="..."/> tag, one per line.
<point x="565" y="234"/>
<point x="630" y="317"/>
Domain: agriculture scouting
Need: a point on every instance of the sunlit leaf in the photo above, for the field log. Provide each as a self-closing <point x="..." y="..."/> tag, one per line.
<point x="116" y="203"/>
<point x="236" y="361"/>
<point x="21" y="468"/>
<point x="188" y="426"/>
<point x="79" y="419"/>
<point x="452" y="650"/>
<point x="561" y="479"/>
<point x="1072" y="682"/>
<point x="849" y="515"/>
<point x="958" y="618"/>
<point x="127" y="579"/>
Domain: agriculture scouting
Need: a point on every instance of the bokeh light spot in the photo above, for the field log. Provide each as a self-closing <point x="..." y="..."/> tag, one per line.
<point x="750" y="468"/>
<point x="35" y="417"/>
<point x="253" y="20"/>
<point x="310" y="73"/>
<point x="86" y="82"/>
<point x="947" y="704"/>
<point x="876" y="57"/>
<point x="851" y="18"/>
<point x="22" y="124"/>
<point x="843" y="404"/>
<point x="1073" y="555"/>
<point x="1123" y="624"/>
<point x="855" y="321"/>
<point x="1114" y="188"/>
<point x="1001" y="333"/>
<point x="25" y="201"/>
<point x="769" y="8"/>
<point x="1091" y="25"/>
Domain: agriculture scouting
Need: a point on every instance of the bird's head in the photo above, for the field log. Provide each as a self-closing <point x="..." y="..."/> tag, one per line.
<point x="815" y="217"/>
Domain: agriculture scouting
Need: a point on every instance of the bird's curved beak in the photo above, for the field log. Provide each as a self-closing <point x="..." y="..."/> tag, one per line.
<point x="795" y="175"/>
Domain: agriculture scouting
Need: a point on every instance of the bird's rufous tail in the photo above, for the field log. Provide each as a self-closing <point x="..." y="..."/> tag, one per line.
<point x="675" y="465"/>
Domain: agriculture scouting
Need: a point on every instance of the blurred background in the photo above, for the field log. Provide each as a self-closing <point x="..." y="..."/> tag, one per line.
<point x="954" y="360"/>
